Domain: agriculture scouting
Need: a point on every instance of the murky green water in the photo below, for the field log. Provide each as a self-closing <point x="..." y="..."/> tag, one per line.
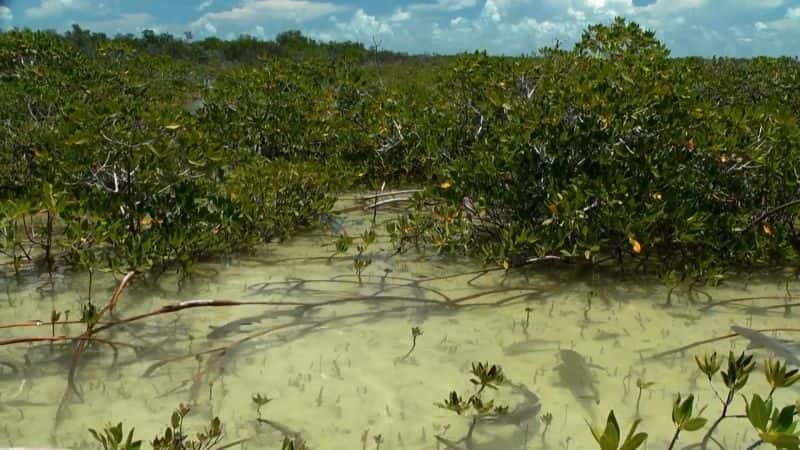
<point x="335" y="370"/>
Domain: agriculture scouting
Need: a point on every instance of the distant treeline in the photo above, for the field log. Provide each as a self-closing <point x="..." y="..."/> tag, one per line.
<point x="243" y="50"/>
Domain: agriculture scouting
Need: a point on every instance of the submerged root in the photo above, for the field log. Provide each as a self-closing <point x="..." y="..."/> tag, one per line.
<point x="686" y="347"/>
<point x="729" y="301"/>
<point x="381" y="304"/>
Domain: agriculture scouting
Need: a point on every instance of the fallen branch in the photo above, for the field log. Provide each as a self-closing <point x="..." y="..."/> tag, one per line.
<point x="367" y="197"/>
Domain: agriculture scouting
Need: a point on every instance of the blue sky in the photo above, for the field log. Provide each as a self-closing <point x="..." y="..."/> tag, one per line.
<point x="688" y="27"/>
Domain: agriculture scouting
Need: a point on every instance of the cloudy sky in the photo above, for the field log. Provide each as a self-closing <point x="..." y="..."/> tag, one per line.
<point x="688" y="27"/>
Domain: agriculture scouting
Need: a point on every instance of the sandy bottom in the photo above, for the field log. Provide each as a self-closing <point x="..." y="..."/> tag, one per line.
<point x="336" y="371"/>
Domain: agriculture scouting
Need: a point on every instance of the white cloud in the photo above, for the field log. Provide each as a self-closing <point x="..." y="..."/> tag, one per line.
<point x="251" y="12"/>
<point x="789" y="23"/>
<point x="363" y="27"/>
<point x="400" y="16"/>
<point x="5" y="14"/>
<point x="576" y="14"/>
<point x="443" y="5"/>
<point x="204" y="5"/>
<point x="49" y="8"/>
<point x="596" y="4"/>
<point x="533" y="26"/>
<point x="123" y="23"/>
<point x="491" y="11"/>
<point x="686" y="27"/>
<point x="248" y="14"/>
<point x="669" y="6"/>
<point x="760" y="4"/>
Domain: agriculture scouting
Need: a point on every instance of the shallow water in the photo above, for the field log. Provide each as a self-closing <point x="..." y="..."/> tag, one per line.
<point x="335" y="371"/>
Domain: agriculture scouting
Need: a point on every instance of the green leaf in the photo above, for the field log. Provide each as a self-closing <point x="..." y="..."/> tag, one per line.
<point x="785" y="419"/>
<point x="116" y="432"/>
<point x="687" y="407"/>
<point x="781" y="440"/>
<point x="610" y="438"/>
<point x="694" y="424"/>
<point x="757" y="413"/>
<point x="96" y="436"/>
<point x="632" y="440"/>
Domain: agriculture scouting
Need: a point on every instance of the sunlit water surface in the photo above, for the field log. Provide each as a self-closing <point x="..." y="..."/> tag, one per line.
<point x="336" y="372"/>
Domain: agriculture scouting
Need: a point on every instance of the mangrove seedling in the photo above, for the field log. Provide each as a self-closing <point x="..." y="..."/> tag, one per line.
<point x="779" y="376"/>
<point x="547" y="420"/>
<point x="174" y="437"/>
<point x="734" y="378"/>
<point x="111" y="438"/>
<point x="527" y="323"/>
<point x="484" y="376"/>
<point x="608" y="438"/>
<point x="684" y="419"/>
<point x="776" y="427"/>
<point x="368" y="237"/>
<point x="292" y="444"/>
<point x="738" y="372"/>
<point x="361" y="262"/>
<point x="709" y="364"/>
<point x="415" y="333"/>
<point x="641" y="385"/>
<point x="588" y="307"/>
<point x="89" y="315"/>
<point x="378" y="438"/>
<point x="55" y="316"/>
<point x="343" y="243"/>
<point x="260" y="400"/>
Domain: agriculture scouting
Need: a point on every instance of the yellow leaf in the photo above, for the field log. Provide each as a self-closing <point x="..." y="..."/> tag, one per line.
<point x="173" y="126"/>
<point x="445" y="185"/>
<point x="637" y="247"/>
<point x="505" y="264"/>
<point x="768" y="230"/>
